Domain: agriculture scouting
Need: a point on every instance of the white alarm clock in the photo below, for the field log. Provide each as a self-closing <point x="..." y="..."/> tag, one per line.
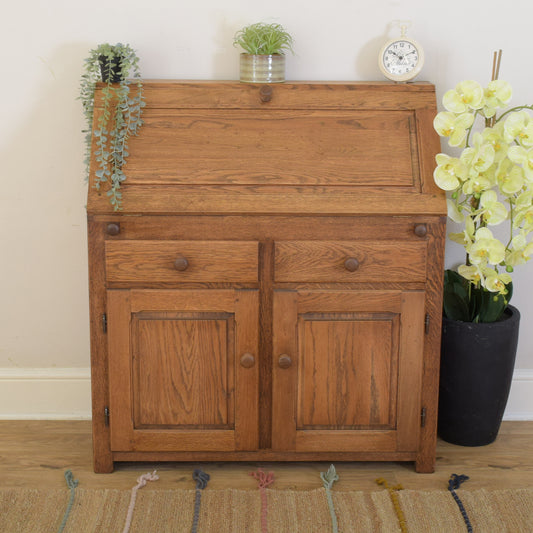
<point x="401" y="59"/>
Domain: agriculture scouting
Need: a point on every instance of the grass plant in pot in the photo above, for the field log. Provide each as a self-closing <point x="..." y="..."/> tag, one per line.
<point x="265" y="46"/>
<point x="490" y="185"/>
<point x="120" y="117"/>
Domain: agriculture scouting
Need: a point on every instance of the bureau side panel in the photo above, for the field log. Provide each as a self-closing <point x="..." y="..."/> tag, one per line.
<point x="102" y="457"/>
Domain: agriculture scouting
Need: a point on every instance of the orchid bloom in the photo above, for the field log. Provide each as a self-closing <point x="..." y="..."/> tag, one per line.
<point x="454" y="212"/>
<point x="520" y="251"/>
<point x="477" y="184"/>
<point x="471" y="273"/>
<point x="493" y="212"/>
<point x="486" y="249"/>
<point x="450" y="172"/>
<point x="523" y="157"/>
<point x="495" y="282"/>
<point x="497" y="95"/>
<point x="519" y="126"/>
<point x="480" y="157"/>
<point x="510" y="178"/>
<point x="524" y="212"/>
<point x="494" y="136"/>
<point x="453" y="126"/>
<point x="465" y="238"/>
<point x="467" y="95"/>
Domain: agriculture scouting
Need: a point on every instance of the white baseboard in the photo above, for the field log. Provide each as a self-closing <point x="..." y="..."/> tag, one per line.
<point x="65" y="394"/>
<point x="520" y="403"/>
<point x="45" y="393"/>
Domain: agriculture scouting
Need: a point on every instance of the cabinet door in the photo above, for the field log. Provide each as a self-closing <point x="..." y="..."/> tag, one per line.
<point x="182" y="370"/>
<point x="347" y="370"/>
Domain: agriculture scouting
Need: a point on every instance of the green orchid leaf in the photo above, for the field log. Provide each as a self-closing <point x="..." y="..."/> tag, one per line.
<point x="466" y="302"/>
<point x="493" y="305"/>
<point x="456" y="297"/>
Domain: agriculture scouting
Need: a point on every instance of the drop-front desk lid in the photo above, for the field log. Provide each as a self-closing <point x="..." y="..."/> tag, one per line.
<point x="218" y="147"/>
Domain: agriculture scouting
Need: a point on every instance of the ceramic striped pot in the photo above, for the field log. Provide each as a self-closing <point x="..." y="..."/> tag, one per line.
<point x="262" y="68"/>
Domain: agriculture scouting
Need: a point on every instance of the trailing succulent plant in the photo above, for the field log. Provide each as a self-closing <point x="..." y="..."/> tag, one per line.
<point x="263" y="39"/>
<point x="120" y="117"/>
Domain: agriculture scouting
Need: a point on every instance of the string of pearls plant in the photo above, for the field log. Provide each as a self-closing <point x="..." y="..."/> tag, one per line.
<point x="120" y="117"/>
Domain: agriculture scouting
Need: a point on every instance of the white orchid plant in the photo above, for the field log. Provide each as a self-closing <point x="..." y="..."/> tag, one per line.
<point x="491" y="182"/>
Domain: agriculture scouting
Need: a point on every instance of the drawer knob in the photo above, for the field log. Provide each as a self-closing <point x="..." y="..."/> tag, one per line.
<point x="113" y="229"/>
<point x="351" y="264"/>
<point x="421" y="230"/>
<point x="265" y="93"/>
<point x="181" y="264"/>
<point x="284" y="361"/>
<point x="247" y="360"/>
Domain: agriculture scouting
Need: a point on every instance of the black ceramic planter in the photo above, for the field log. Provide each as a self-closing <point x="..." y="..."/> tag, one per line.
<point x="477" y="363"/>
<point x="110" y="70"/>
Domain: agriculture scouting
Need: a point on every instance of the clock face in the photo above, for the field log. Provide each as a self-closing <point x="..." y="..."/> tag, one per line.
<point x="401" y="60"/>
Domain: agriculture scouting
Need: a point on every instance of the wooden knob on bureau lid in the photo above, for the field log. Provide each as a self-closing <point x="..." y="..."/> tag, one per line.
<point x="247" y="360"/>
<point x="284" y="361"/>
<point x="351" y="264"/>
<point x="181" y="263"/>
<point x="265" y="93"/>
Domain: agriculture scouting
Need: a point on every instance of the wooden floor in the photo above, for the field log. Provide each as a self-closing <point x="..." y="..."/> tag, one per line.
<point x="35" y="454"/>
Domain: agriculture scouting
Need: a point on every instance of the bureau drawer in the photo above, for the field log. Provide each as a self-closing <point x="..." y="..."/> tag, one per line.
<point x="349" y="261"/>
<point x="179" y="261"/>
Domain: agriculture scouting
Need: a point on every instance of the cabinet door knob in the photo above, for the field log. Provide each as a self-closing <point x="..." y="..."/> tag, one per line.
<point x="181" y="264"/>
<point x="247" y="360"/>
<point x="421" y="230"/>
<point x="265" y="93"/>
<point x="284" y="361"/>
<point x="113" y="229"/>
<point x="351" y="264"/>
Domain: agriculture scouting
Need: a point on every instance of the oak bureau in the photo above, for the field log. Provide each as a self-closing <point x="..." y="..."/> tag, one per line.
<point x="271" y="289"/>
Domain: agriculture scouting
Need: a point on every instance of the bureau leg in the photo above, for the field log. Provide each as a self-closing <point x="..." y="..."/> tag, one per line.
<point x="425" y="464"/>
<point x="102" y="456"/>
<point x="103" y="465"/>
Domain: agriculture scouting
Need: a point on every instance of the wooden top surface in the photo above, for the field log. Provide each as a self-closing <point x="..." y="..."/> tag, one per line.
<point x="217" y="147"/>
<point x="164" y="94"/>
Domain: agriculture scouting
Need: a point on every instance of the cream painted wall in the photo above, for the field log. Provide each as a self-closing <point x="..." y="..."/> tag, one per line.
<point x="44" y="316"/>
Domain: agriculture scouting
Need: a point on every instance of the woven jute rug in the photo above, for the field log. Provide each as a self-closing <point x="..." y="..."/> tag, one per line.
<point x="262" y="511"/>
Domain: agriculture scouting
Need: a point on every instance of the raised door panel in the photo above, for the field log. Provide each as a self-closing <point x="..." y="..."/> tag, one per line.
<point x="181" y="371"/>
<point x="175" y="370"/>
<point x="354" y="378"/>
<point x="344" y="383"/>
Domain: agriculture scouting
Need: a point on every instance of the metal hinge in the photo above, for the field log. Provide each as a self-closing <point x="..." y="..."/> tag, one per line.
<point x="106" y="415"/>
<point x="423" y="417"/>
<point x="104" y="323"/>
<point x="426" y="324"/>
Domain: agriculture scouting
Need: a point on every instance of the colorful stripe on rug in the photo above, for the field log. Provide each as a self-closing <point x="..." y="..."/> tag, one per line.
<point x="141" y="482"/>
<point x="71" y="484"/>
<point x="395" y="502"/>
<point x="454" y="483"/>
<point x="328" y="478"/>
<point x="264" y="480"/>
<point x="201" y="479"/>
